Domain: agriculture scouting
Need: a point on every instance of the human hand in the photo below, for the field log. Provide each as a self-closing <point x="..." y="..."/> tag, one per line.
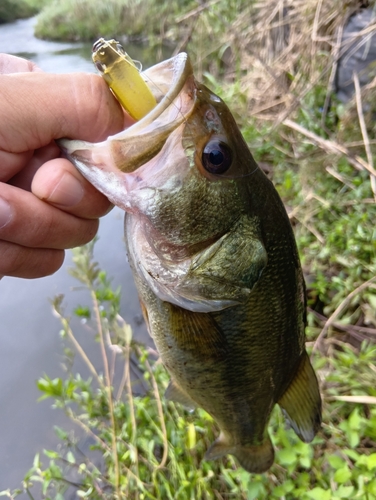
<point x="46" y="206"/>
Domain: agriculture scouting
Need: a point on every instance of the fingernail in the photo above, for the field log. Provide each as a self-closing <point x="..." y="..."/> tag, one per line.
<point x="68" y="192"/>
<point x="5" y="213"/>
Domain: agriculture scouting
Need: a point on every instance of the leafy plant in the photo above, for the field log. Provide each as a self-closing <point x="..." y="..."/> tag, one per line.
<point x="142" y="446"/>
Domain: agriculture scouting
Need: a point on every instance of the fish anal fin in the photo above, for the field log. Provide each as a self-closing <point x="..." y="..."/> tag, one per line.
<point x="253" y="458"/>
<point x="301" y="402"/>
<point x="174" y="393"/>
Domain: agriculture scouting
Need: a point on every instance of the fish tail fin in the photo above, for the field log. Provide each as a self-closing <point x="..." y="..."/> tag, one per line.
<point x="253" y="458"/>
<point x="301" y="402"/>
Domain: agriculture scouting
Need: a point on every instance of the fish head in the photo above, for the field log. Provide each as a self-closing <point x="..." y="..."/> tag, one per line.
<point x="182" y="174"/>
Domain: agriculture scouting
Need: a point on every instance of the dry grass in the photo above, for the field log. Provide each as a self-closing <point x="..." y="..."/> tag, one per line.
<point x="287" y="47"/>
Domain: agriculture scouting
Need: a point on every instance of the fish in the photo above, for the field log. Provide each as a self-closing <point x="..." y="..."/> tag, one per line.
<point x="215" y="263"/>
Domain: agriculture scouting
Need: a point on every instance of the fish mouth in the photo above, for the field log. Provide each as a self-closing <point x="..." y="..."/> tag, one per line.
<point x="109" y="165"/>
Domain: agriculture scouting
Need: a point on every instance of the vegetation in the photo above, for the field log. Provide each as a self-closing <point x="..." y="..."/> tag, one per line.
<point x="19" y="9"/>
<point x="90" y="19"/>
<point x="153" y="449"/>
<point x="275" y="67"/>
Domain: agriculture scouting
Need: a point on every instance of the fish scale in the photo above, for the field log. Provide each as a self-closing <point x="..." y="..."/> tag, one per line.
<point x="214" y="259"/>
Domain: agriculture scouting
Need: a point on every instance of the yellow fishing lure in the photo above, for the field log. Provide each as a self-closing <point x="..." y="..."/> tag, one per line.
<point x="123" y="77"/>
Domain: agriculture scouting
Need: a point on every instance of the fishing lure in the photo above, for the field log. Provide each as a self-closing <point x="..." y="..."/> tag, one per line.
<point x="123" y="77"/>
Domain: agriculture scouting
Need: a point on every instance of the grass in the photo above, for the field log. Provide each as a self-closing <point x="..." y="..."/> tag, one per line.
<point x="10" y="10"/>
<point x="90" y="19"/>
<point x="320" y="155"/>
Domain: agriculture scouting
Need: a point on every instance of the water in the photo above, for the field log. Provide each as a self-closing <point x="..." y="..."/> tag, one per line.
<point x="30" y="345"/>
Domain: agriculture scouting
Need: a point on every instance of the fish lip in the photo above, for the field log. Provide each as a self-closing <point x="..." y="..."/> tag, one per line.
<point x="175" y="72"/>
<point x="181" y="69"/>
<point x="173" y="86"/>
<point x="107" y="164"/>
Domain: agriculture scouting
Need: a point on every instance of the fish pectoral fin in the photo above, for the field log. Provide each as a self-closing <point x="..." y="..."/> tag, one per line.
<point x="301" y="403"/>
<point x="253" y="458"/>
<point x="199" y="332"/>
<point x="174" y="393"/>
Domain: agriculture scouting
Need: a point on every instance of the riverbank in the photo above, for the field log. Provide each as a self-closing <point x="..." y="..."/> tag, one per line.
<point x="11" y="10"/>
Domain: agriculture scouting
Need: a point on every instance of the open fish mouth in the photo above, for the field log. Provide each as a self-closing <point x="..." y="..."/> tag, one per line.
<point x="111" y="165"/>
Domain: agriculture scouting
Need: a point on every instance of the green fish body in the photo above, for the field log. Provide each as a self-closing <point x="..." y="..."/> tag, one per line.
<point x="215" y="263"/>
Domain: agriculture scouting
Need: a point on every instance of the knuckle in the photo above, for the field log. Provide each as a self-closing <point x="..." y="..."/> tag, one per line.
<point x="88" y="232"/>
<point x="11" y="259"/>
<point x="42" y="235"/>
<point x="24" y="262"/>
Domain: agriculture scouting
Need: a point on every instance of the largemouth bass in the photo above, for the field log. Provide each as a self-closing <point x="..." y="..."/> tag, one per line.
<point x="215" y="263"/>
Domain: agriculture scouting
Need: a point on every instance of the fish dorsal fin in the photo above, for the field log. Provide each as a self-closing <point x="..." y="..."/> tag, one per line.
<point x="301" y="403"/>
<point x="253" y="458"/>
<point x="174" y="393"/>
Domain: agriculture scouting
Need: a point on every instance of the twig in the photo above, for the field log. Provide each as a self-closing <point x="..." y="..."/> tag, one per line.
<point x="196" y="11"/>
<point x="315" y="25"/>
<point x="131" y="403"/>
<point x="367" y="400"/>
<point x="333" y="73"/>
<point x="339" y="177"/>
<point x="161" y="416"/>
<point x="340" y="309"/>
<point x="310" y="228"/>
<point x="363" y="128"/>
<point x="365" y="330"/>
<point x="87" y="429"/>
<point x="108" y="390"/>
<point x="78" y="347"/>
<point x="332" y="147"/>
<point x="183" y="43"/>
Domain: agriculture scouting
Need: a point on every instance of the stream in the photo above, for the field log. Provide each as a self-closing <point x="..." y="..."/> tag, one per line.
<point x="30" y="344"/>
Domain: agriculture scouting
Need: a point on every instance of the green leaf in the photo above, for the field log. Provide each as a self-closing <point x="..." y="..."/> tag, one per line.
<point x="36" y="461"/>
<point x="82" y="312"/>
<point x="71" y="458"/>
<point x="305" y="462"/>
<point x="354" y="438"/>
<point x="286" y="456"/>
<point x="371" y="487"/>
<point x="255" y="490"/>
<point x="191" y="436"/>
<point x="51" y="454"/>
<point x="319" y="494"/>
<point x="344" y="492"/>
<point x="352" y="454"/>
<point x="335" y="461"/>
<point x="355" y="420"/>
<point x="281" y="490"/>
<point x="342" y="475"/>
<point x="61" y="434"/>
<point x="371" y="461"/>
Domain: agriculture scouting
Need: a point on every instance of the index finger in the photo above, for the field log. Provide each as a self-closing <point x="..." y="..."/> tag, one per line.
<point x="14" y="64"/>
<point x="41" y="107"/>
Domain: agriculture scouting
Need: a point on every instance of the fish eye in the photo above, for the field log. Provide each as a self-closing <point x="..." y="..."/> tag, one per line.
<point x="217" y="157"/>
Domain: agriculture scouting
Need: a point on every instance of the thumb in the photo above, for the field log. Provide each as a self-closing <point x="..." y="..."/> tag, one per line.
<point x="41" y="107"/>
